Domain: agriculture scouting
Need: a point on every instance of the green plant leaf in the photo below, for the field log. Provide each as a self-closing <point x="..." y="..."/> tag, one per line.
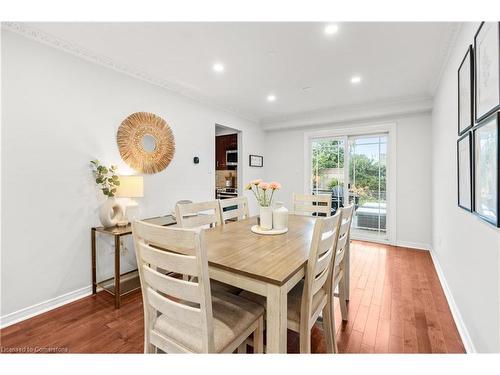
<point x="117" y="183"/>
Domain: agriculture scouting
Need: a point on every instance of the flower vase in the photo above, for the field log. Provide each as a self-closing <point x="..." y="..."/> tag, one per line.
<point x="266" y="218"/>
<point x="280" y="216"/>
<point x="111" y="213"/>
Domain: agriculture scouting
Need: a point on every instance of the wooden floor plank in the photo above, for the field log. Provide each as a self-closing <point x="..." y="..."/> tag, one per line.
<point x="396" y="305"/>
<point x="371" y="327"/>
<point x="382" y="337"/>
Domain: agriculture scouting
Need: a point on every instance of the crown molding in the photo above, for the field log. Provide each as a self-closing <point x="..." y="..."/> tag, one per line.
<point x="83" y="53"/>
<point x="372" y="110"/>
<point x="445" y="56"/>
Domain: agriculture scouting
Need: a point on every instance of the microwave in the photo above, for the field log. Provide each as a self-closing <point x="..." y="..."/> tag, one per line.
<point x="232" y="157"/>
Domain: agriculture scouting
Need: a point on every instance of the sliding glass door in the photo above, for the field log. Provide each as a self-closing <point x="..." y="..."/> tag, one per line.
<point x="368" y="185"/>
<point x="353" y="169"/>
<point x="328" y="172"/>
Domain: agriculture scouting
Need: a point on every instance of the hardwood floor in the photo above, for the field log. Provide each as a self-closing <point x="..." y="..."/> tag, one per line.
<point x="397" y="305"/>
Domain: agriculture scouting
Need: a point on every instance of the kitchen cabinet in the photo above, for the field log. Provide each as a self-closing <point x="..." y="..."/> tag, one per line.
<point x="222" y="144"/>
<point x="232" y="142"/>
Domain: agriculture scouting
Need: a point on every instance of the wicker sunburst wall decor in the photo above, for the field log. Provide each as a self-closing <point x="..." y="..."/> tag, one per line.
<point x="146" y="142"/>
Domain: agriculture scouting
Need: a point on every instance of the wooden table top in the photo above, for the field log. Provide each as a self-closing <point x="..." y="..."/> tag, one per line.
<point x="270" y="258"/>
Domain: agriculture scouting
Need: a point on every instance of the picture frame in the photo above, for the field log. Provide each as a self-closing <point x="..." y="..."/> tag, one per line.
<point x="486" y="157"/>
<point x="465" y="94"/>
<point x="255" y="161"/>
<point x="486" y="70"/>
<point x="464" y="172"/>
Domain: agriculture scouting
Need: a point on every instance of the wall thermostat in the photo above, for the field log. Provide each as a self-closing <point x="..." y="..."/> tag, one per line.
<point x="196" y="160"/>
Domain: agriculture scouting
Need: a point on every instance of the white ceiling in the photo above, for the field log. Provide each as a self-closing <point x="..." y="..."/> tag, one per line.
<point x="395" y="60"/>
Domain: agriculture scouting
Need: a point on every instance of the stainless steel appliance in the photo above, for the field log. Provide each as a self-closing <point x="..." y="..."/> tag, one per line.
<point x="232" y="157"/>
<point x="225" y="193"/>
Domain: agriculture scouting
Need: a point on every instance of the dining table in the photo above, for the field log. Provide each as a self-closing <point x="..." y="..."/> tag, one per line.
<point x="268" y="265"/>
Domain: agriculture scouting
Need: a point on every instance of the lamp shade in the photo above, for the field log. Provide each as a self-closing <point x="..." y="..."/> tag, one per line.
<point x="130" y="187"/>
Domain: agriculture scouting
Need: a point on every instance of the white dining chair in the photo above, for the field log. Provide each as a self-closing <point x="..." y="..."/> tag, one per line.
<point x="183" y="316"/>
<point x="309" y="297"/>
<point x="312" y="204"/>
<point x="338" y="276"/>
<point x="198" y="214"/>
<point x="202" y="215"/>
<point x="234" y="208"/>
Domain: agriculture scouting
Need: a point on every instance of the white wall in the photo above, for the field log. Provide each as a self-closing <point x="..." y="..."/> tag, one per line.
<point x="219" y="130"/>
<point x="285" y="163"/>
<point x="58" y="113"/>
<point x="467" y="248"/>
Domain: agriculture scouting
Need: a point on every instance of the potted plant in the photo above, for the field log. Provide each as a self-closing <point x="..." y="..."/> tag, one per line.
<point x="264" y="193"/>
<point x="110" y="212"/>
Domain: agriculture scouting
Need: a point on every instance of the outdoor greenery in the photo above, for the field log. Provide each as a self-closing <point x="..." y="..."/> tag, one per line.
<point x="329" y="154"/>
<point x="367" y="173"/>
<point x="106" y="178"/>
<point x="333" y="182"/>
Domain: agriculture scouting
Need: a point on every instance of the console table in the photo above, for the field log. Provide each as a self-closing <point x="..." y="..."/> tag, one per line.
<point x="118" y="286"/>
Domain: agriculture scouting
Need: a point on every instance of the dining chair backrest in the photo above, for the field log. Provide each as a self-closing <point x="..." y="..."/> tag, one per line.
<point x="186" y="303"/>
<point x="323" y="244"/>
<point x="308" y="204"/>
<point x="343" y="241"/>
<point x="236" y="208"/>
<point x="199" y="214"/>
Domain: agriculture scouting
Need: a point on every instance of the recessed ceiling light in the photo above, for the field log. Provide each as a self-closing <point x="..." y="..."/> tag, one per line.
<point x="218" y="67"/>
<point x="331" y="29"/>
<point x="271" y="98"/>
<point x="355" y="79"/>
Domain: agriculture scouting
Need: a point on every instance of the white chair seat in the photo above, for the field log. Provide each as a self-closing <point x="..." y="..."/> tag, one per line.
<point x="232" y="316"/>
<point x="294" y="301"/>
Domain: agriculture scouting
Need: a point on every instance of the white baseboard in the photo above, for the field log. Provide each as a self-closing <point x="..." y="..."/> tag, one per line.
<point x="411" y="245"/>
<point x="462" y="328"/>
<point x="39" y="308"/>
<point x="414" y="245"/>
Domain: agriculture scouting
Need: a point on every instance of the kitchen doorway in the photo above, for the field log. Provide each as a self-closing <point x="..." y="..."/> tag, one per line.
<point x="228" y="167"/>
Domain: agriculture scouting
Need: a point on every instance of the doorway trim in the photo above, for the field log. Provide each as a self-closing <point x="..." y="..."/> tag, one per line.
<point x="364" y="129"/>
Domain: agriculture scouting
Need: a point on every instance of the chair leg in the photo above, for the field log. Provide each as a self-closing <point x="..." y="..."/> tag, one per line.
<point x="305" y="340"/>
<point x="332" y="315"/>
<point x="328" y="328"/>
<point x="258" y="337"/>
<point x="242" y="349"/>
<point x="149" y="314"/>
<point x="148" y="347"/>
<point x="343" y="298"/>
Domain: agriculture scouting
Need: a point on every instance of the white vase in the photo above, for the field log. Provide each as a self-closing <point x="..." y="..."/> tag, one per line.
<point x="266" y="218"/>
<point x="280" y="216"/>
<point x="111" y="212"/>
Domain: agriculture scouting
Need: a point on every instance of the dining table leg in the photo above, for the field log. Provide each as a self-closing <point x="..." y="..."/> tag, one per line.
<point x="276" y="319"/>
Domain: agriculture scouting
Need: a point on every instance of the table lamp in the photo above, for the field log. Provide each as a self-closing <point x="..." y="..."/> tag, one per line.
<point x="130" y="187"/>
